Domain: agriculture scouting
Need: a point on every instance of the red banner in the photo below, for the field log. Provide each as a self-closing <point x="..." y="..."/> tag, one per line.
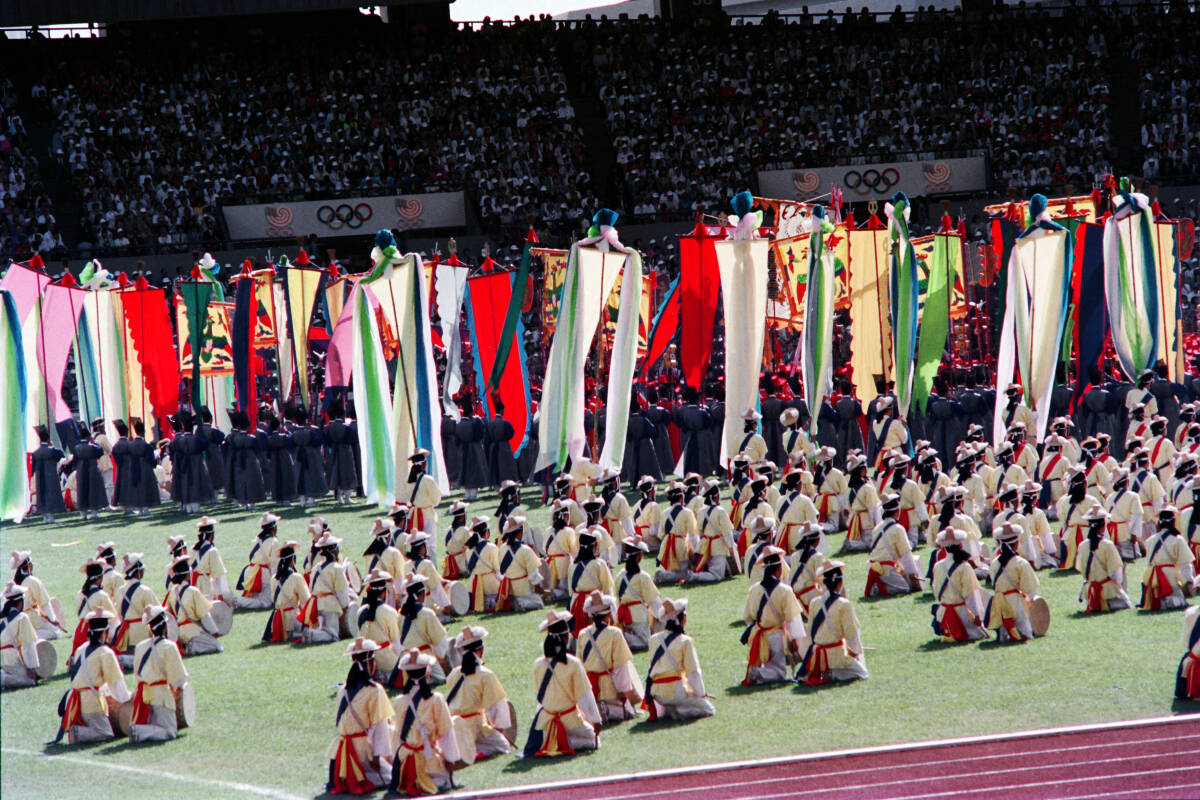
<point x="488" y="298"/>
<point x="148" y="321"/>
<point x="699" y="287"/>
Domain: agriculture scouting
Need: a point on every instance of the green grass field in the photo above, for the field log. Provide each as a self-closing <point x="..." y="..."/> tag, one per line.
<point x="266" y="712"/>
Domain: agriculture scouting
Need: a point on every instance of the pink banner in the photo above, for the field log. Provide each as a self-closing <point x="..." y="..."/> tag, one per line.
<point x="61" y="307"/>
<point x="25" y="284"/>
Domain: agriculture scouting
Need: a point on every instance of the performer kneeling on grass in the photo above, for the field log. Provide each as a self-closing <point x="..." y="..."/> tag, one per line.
<point x="608" y="661"/>
<point x="567" y="712"/>
<point x="520" y="570"/>
<point x="18" y="641"/>
<point x="774" y="626"/>
<point x="1169" y="578"/>
<point x="588" y="574"/>
<point x="197" y="631"/>
<point x="255" y="579"/>
<point x="893" y="569"/>
<point x="95" y="679"/>
<point x="160" y="673"/>
<point x="674" y="682"/>
<point x="386" y="557"/>
<point x="958" y="612"/>
<point x="379" y="622"/>
<point x="637" y="597"/>
<point x="45" y="612"/>
<point x="360" y="756"/>
<point x="1187" y="681"/>
<point x="421" y="630"/>
<point x="679" y="531"/>
<point x="804" y="565"/>
<point x="483" y="566"/>
<point x="477" y="697"/>
<point x="322" y="613"/>
<point x="134" y="598"/>
<point x="835" y="650"/>
<point x="1016" y="585"/>
<point x="716" y="550"/>
<point x="426" y="735"/>
<point x="1099" y="561"/>
<point x="290" y="595"/>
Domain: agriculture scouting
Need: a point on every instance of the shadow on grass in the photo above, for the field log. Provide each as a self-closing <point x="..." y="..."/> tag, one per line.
<point x="995" y="644"/>
<point x="646" y="726"/>
<point x="126" y="745"/>
<point x="63" y="748"/>
<point x="523" y="764"/>
<point x="934" y="645"/>
<point x="739" y="689"/>
<point x="804" y="688"/>
<point x="1185" y="706"/>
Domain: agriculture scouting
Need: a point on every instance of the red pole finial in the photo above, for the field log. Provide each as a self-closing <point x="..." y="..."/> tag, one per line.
<point x="247" y="267"/>
<point x="67" y="280"/>
<point x="36" y="262"/>
<point x="531" y="237"/>
<point x="302" y="259"/>
<point x="141" y="284"/>
<point x="122" y="280"/>
<point x="196" y="274"/>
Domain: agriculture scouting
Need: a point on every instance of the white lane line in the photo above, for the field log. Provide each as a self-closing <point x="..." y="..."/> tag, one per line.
<point x="1173" y="751"/>
<point x="1149" y="791"/>
<point x="583" y="783"/>
<point x="246" y="788"/>
<point x="1008" y="790"/>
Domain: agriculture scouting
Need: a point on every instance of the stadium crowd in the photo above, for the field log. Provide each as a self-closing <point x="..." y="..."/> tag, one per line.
<point x="154" y="142"/>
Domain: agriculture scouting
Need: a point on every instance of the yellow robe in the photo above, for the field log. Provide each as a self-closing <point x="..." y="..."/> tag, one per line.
<point x="158" y="666"/>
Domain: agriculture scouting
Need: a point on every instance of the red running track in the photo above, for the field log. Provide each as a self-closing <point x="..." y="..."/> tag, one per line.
<point x="1157" y="758"/>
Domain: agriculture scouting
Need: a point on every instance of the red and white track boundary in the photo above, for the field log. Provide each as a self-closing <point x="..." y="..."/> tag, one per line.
<point x="582" y="784"/>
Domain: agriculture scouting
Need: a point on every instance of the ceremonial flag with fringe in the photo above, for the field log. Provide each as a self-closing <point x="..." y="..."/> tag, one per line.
<point x="148" y="326"/>
<point x="372" y="409"/>
<point x="1166" y="259"/>
<point x="699" y="287"/>
<point x="904" y="301"/>
<point x="14" y="478"/>
<point x="1131" y="283"/>
<point x="25" y="284"/>
<point x="193" y="297"/>
<point x="663" y="328"/>
<point x="870" y="314"/>
<point x="944" y="264"/>
<point x="301" y="287"/>
<point x="60" y="309"/>
<point x="451" y="282"/>
<point x="818" y="318"/>
<point x="489" y="295"/>
<point x="1090" y="326"/>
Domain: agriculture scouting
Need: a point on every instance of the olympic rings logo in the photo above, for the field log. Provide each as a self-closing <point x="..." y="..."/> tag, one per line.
<point x="344" y="214"/>
<point x="871" y="180"/>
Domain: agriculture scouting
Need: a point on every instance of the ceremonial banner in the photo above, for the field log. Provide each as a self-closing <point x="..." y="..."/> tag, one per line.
<point x="944" y="264"/>
<point x="1166" y="259"/>
<point x="339" y="358"/>
<point x="25" y="284"/>
<point x="489" y="296"/>
<point x="1039" y="280"/>
<point x="818" y="319"/>
<point x="399" y="285"/>
<point x="1090" y="329"/>
<point x="870" y="314"/>
<point x="743" y="271"/>
<point x="451" y="282"/>
<point x="245" y="301"/>
<point x="554" y="269"/>
<point x="14" y="478"/>
<point x="283" y="342"/>
<point x="369" y="380"/>
<point x="512" y="318"/>
<point x="102" y="318"/>
<point x="699" y="286"/>
<point x="335" y="298"/>
<point x="904" y="301"/>
<point x="663" y="327"/>
<point x="589" y="279"/>
<point x="151" y="347"/>
<point x="60" y="310"/>
<point x="192" y="299"/>
<point x="301" y="287"/>
<point x="1131" y="283"/>
<point x="216" y="353"/>
<point x="263" y="310"/>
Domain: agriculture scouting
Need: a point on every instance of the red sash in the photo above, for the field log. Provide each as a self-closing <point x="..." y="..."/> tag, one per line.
<point x="555" y="741"/>
<point x="349" y="776"/>
<point x="952" y="624"/>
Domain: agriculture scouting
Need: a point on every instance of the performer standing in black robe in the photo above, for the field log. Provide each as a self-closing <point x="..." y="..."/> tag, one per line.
<point x="340" y="471"/>
<point x="122" y="492"/>
<point x="212" y="439"/>
<point x="640" y="456"/>
<point x="502" y="466"/>
<point x="90" y="498"/>
<point x="247" y="477"/>
<point x="450" y="451"/>
<point x="693" y="422"/>
<point x="283" y="465"/>
<point x="310" y="469"/>
<point x="143" y="489"/>
<point x="45" y="476"/>
<point x="190" y="484"/>
<point x="660" y="418"/>
<point x="471" y="432"/>
<point x="772" y="430"/>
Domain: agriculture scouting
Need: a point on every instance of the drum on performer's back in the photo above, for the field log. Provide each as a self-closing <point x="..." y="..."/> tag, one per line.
<point x="354" y="578"/>
<point x="1039" y="616"/>
<point x="510" y="732"/>
<point x="47" y="659"/>
<point x="185" y="707"/>
<point x="120" y="716"/>
<point x="349" y="626"/>
<point x="460" y="598"/>
<point x="222" y="617"/>
<point x="172" y="628"/>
